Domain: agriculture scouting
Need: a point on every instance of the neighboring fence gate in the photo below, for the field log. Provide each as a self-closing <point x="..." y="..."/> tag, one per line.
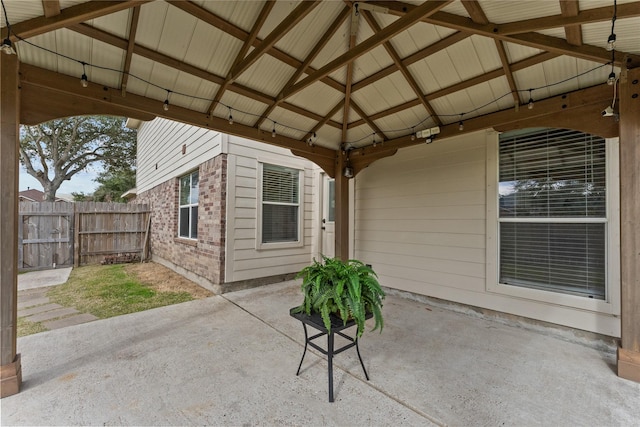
<point x="60" y="234"/>
<point x="45" y="235"/>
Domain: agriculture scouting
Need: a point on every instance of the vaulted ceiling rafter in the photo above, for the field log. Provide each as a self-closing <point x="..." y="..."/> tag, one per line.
<point x="407" y="20"/>
<point x="516" y="66"/>
<point x="51" y="8"/>
<point x="297" y="15"/>
<point x="478" y="16"/>
<point x="184" y="67"/>
<point x="237" y="32"/>
<point x="530" y="39"/>
<point x="573" y="33"/>
<point x="70" y="15"/>
<point x="262" y="17"/>
<point x="133" y="28"/>
<point x="421" y="54"/>
<point x="307" y="62"/>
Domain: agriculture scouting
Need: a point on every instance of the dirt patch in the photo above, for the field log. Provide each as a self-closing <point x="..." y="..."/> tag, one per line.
<point x="162" y="279"/>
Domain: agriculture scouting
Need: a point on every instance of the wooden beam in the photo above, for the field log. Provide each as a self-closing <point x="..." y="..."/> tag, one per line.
<point x="531" y="39"/>
<point x="407" y="20"/>
<point x="368" y="121"/>
<point x="507" y="72"/>
<point x="337" y="23"/>
<point x="475" y="12"/>
<point x="257" y="25"/>
<point x="69" y="16"/>
<point x="573" y="33"/>
<point x="417" y="90"/>
<point x="342" y="210"/>
<point x="572" y="17"/>
<point x="547" y="112"/>
<point x="347" y="93"/>
<point x="629" y="354"/>
<point x="286" y="25"/>
<point x="237" y="32"/>
<point x="516" y="66"/>
<point x="421" y="54"/>
<point x="10" y="368"/>
<point x="97" y="98"/>
<point x="51" y="8"/>
<point x="133" y="28"/>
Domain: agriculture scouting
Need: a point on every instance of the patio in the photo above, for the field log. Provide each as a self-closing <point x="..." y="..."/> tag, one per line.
<point x="231" y="360"/>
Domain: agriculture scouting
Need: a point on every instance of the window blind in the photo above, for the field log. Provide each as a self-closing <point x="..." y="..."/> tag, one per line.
<point x="280" y="204"/>
<point x="553" y="212"/>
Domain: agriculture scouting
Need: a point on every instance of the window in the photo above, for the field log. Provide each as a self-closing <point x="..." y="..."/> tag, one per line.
<point x="188" y="211"/>
<point x="280" y="204"/>
<point x="552" y="220"/>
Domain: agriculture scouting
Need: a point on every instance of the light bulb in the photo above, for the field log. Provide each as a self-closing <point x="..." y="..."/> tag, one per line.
<point x="461" y="126"/>
<point x="530" y="104"/>
<point x="273" y="132"/>
<point x="84" y="81"/>
<point x="230" y="119"/>
<point x="612" y="78"/>
<point x="611" y="42"/>
<point x="7" y="47"/>
<point x="165" y="106"/>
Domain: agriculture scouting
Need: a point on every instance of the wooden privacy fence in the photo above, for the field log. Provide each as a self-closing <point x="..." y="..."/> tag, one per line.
<point x="60" y="234"/>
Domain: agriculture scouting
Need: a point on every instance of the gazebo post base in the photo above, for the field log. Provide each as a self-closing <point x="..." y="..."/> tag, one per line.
<point x="11" y="377"/>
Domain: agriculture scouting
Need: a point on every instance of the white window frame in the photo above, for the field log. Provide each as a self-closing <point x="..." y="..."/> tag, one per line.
<point x="611" y="304"/>
<point x="188" y="205"/>
<point x="300" y="205"/>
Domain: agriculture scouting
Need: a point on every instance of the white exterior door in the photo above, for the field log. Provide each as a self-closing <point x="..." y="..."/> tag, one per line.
<point x="328" y="217"/>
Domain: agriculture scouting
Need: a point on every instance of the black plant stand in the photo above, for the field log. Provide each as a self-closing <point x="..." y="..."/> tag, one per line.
<point x="337" y="326"/>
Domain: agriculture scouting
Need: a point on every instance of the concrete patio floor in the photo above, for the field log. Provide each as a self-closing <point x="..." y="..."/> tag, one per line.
<point x="231" y="360"/>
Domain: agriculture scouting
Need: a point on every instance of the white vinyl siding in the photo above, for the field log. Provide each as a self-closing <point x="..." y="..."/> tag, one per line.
<point x="426" y="219"/>
<point x="160" y="157"/>
<point x="246" y="257"/>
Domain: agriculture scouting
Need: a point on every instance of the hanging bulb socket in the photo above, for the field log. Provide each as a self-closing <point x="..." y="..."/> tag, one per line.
<point x="273" y="132"/>
<point x="612" y="78"/>
<point x="7" y="47"/>
<point x="611" y="42"/>
<point x="461" y="126"/>
<point x="530" y="104"/>
<point x="84" y="81"/>
<point x="165" y="106"/>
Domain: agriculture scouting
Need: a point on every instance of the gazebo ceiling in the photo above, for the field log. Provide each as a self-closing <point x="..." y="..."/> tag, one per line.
<point x="334" y="74"/>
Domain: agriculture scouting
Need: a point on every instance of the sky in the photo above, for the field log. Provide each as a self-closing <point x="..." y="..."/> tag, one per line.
<point x="82" y="182"/>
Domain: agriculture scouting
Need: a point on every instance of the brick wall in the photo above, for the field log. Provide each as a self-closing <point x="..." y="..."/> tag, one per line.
<point x="201" y="260"/>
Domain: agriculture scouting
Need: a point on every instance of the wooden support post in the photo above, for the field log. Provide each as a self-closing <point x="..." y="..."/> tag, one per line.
<point x="629" y="353"/>
<point x="342" y="209"/>
<point x="10" y="367"/>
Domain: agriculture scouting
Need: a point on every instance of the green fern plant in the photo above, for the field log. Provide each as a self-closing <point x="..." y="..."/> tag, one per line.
<point x="346" y="289"/>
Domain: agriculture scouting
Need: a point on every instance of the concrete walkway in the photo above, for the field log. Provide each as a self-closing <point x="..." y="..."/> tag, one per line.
<point x="231" y="360"/>
<point x="35" y="306"/>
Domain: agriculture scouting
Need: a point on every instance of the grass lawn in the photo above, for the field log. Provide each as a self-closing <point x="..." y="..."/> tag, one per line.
<point x="26" y="327"/>
<point x="110" y="290"/>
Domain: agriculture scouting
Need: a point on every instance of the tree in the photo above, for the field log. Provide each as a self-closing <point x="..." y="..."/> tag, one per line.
<point x="55" y="151"/>
<point x="113" y="184"/>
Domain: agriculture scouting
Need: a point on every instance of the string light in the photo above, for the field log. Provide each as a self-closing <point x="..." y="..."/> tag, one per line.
<point x="413" y="134"/>
<point x="611" y="41"/>
<point x="530" y="104"/>
<point x="83" y="80"/>
<point x="165" y="105"/>
<point x="230" y="117"/>
<point x="7" y="46"/>
<point x="612" y="78"/>
<point x="461" y="124"/>
<point x="273" y="132"/>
